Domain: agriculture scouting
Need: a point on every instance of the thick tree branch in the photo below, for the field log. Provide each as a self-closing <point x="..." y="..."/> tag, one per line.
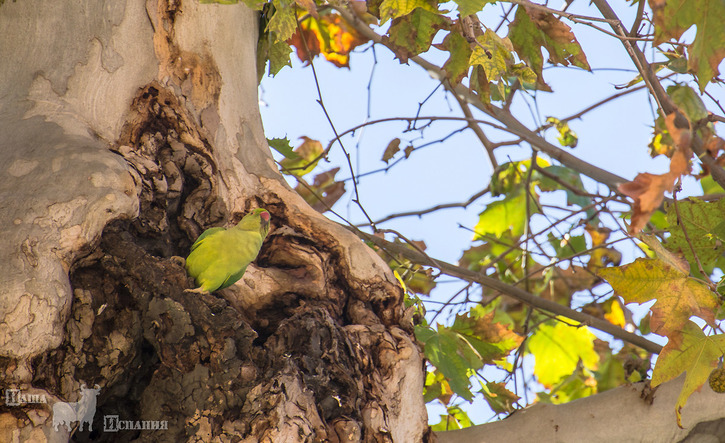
<point x="658" y="92"/>
<point x="628" y="413"/>
<point x="512" y="291"/>
<point x="509" y="121"/>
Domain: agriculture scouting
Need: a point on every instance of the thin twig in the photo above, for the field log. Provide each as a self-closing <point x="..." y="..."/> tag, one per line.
<point x="478" y="131"/>
<point x="422" y="212"/>
<point x="319" y="100"/>
<point x="519" y="294"/>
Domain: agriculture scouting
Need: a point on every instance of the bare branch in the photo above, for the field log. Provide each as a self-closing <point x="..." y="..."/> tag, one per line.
<point x="420" y="213"/>
<point x="511" y="291"/>
<point x="511" y="124"/>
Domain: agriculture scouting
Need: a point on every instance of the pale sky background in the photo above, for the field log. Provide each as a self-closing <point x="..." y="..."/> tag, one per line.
<point x="614" y="137"/>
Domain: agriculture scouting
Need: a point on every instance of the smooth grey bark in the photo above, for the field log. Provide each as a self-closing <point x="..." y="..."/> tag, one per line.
<point x="626" y="414"/>
<point x="128" y="128"/>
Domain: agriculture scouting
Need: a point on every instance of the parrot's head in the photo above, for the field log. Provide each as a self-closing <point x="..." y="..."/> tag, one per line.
<point x="257" y="220"/>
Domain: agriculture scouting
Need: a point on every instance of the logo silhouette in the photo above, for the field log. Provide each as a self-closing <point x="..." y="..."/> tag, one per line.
<point x="81" y="411"/>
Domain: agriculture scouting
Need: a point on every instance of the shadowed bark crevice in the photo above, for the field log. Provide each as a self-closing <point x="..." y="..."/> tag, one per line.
<point x="306" y="336"/>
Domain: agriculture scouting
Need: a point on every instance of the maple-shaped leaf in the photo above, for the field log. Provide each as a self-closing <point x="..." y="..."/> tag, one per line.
<point x="493" y="53"/>
<point x="696" y="354"/>
<point x="500" y="399"/>
<point x="505" y="215"/>
<point x="323" y="192"/>
<point x="703" y="223"/>
<point x="413" y="34"/>
<point x="678" y="296"/>
<point x="558" y="349"/>
<point x="308" y="154"/>
<point x="398" y="8"/>
<point x="648" y="190"/>
<point x="533" y="29"/>
<point x="283" y="23"/>
<point x="673" y="17"/>
<point x="452" y="354"/>
<point x="330" y="35"/>
<point x="456" y="66"/>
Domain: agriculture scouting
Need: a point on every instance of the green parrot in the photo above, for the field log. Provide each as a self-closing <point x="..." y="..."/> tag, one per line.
<point x="220" y="256"/>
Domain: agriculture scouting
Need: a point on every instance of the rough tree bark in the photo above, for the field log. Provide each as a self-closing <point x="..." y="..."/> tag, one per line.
<point x="127" y="128"/>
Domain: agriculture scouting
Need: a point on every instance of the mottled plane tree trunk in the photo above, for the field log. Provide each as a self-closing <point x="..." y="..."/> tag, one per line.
<point x="126" y="129"/>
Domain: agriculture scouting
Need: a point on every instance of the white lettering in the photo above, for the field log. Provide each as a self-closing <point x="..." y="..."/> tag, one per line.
<point x="15" y="397"/>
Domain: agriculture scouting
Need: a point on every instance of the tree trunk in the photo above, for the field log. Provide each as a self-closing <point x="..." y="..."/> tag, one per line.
<point x="128" y="128"/>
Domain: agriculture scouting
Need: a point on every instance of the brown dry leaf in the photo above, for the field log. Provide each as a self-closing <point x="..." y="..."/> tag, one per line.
<point x="679" y="128"/>
<point x="391" y="150"/>
<point x="648" y="190"/>
<point x="714" y="145"/>
<point x="491" y="332"/>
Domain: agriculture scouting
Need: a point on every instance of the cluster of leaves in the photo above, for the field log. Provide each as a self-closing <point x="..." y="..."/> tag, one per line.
<point x="575" y="254"/>
<point x="324" y="190"/>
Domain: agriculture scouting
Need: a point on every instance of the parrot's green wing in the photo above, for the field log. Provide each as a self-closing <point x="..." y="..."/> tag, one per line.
<point x="204" y="235"/>
<point x="219" y="257"/>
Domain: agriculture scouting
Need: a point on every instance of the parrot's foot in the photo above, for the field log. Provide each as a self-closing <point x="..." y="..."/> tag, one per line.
<point x="196" y="291"/>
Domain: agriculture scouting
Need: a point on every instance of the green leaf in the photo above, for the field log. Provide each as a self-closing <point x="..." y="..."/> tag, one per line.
<point x="568" y="246"/>
<point x="493" y="53"/>
<point x="455" y="419"/>
<point x="710" y="186"/>
<point x="456" y="66"/>
<point x="707" y="50"/>
<point x="283" y="23"/>
<point x="689" y="101"/>
<point x="413" y="34"/>
<point x="574" y="181"/>
<point x="278" y="55"/>
<point x="557" y="350"/>
<point x="696" y="354"/>
<point x="468" y="7"/>
<point x="282" y="145"/>
<point x="500" y="399"/>
<point x="398" y="8"/>
<point x="576" y="386"/>
<point x="506" y="215"/>
<point x="453" y="355"/>
<point x="532" y="29"/>
<point x="703" y="223"/>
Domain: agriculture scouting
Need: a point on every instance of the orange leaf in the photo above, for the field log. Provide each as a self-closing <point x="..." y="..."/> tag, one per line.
<point x="648" y="190"/>
<point x="330" y="35"/>
<point x="679" y="128"/>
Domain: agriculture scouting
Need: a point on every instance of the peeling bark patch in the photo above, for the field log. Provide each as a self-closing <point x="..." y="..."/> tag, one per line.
<point x="21" y="167"/>
<point x="196" y="75"/>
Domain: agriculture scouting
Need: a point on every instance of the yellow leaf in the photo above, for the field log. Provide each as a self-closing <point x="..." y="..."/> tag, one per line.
<point x="678" y="296"/>
<point x="559" y="348"/>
